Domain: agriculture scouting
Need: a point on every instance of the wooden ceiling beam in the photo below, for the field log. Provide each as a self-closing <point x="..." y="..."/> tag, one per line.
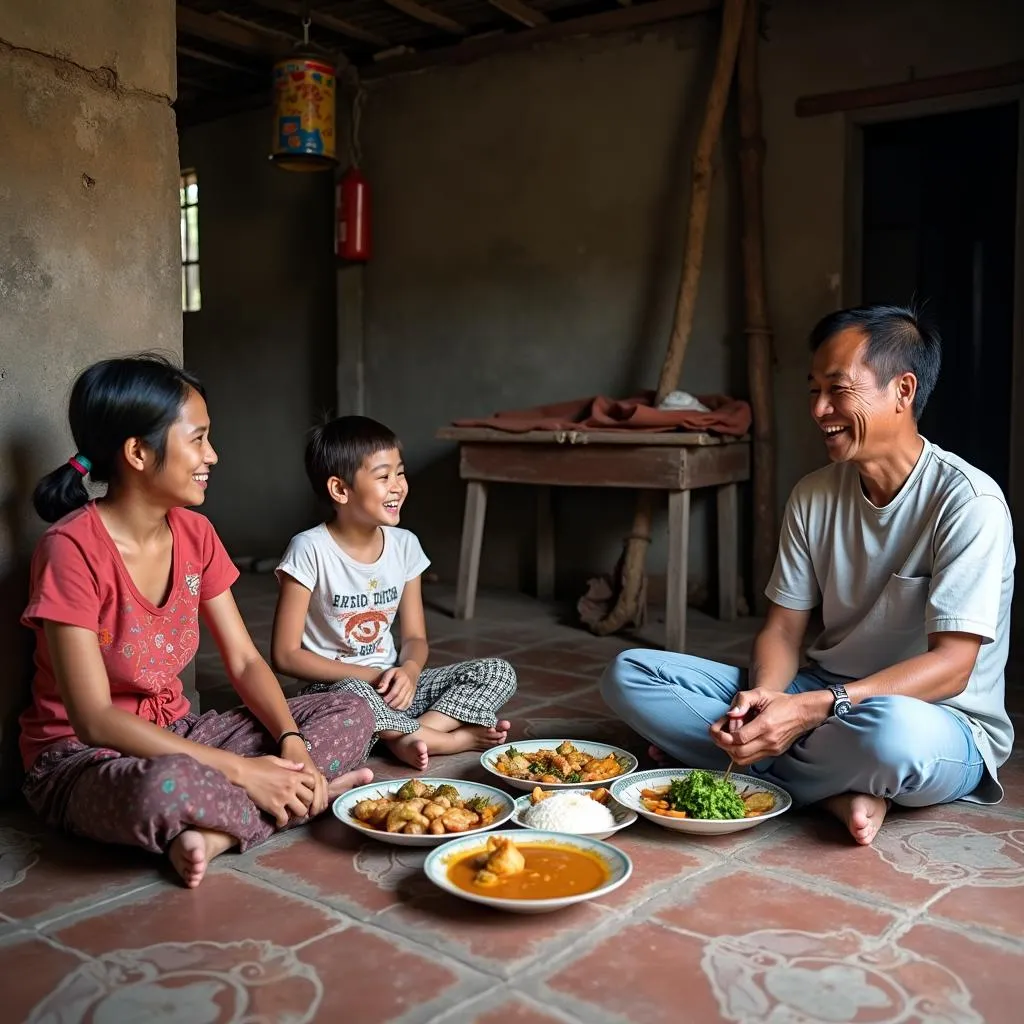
<point x="220" y="62"/>
<point x="421" y="13"/>
<point x="522" y="12"/>
<point x="229" y="32"/>
<point x="476" y="48"/>
<point x="959" y="82"/>
<point x="327" y="21"/>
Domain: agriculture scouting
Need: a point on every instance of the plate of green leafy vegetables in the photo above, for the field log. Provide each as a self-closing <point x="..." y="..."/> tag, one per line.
<point x="701" y="802"/>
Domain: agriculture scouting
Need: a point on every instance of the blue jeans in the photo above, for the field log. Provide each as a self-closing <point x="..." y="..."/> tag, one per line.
<point x="915" y="753"/>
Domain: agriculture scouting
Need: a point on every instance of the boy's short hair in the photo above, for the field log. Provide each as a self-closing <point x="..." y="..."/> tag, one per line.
<point x="340" y="448"/>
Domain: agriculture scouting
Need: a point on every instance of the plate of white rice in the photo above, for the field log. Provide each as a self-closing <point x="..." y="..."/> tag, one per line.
<point x="573" y="812"/>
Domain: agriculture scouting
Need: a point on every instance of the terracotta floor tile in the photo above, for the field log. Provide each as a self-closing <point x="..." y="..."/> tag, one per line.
<point x="515" y="1010"/>
<point x="30" y="968"/>
<point x="370" y="977"/>
<point x="45" y="872"/>
<point x="821" y="848"/>
<point x="225" y="908"/>
<point x="523" y="702"/>
<point x="540" y="682"/>
<point x="979" y="857"/>
<point x="332" y="864"/>
<point x="644" y="973"/>
<point x="578" y="661"/>
<point x="979" y="983"/>
<point x="742" y="901"/>
<point x="469" y="648"/>
<point x="657" y="865"/>
<point x="491" y="940"/>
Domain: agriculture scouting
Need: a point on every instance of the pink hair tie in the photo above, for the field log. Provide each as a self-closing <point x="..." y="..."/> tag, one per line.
<point x="80" y="463"/>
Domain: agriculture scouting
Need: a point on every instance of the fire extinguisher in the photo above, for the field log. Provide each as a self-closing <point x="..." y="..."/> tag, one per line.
<point x="352" y="211"/>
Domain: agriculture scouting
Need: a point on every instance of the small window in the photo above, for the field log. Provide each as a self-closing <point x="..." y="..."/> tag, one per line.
<point x="191" y="298"/>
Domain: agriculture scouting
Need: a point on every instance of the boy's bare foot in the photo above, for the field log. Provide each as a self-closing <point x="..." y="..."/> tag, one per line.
<point x="411" y="748"/>
<point x="860" y="813"/>
<point x="191" y="851"/>
<point x="473" y="737"/>
<point x="349" y="780"/>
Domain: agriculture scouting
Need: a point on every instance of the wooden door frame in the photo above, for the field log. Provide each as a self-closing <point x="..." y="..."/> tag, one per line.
<point x="853" y="247"/>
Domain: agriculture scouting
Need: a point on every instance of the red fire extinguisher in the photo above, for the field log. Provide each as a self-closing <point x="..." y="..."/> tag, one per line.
<point x="352" y="209"/>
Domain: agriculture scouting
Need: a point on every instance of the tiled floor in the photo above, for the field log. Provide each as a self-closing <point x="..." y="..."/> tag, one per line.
<point x="786" y="923"/>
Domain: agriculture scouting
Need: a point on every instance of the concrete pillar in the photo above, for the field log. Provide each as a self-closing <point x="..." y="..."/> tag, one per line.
<point x="89" y="250"/>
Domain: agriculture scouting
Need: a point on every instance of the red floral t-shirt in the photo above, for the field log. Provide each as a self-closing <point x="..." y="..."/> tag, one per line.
<point x="79" y="579"/>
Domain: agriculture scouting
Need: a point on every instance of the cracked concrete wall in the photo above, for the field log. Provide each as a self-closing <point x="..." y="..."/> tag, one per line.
<point x="89" y="250"/>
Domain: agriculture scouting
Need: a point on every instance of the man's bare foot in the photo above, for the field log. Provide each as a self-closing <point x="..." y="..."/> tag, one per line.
<point x="191" y="851"/>
<point x="349" y="780"/>
<point x="411" y="749"/>
<point x="860" y="813"/>
<point x="660" y="758"/>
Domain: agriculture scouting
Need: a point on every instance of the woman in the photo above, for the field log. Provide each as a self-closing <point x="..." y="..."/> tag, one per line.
<point x="118" y="585"/>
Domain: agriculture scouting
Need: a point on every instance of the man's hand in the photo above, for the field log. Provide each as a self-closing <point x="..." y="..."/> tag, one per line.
<point x="398" y="686"/>
<point x="765" y="723"/>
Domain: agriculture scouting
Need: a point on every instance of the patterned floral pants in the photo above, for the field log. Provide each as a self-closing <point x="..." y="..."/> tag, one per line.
<point x="99" y="794"/>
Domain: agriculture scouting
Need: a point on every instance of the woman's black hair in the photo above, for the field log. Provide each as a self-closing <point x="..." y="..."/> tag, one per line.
<point x="111" y="401"/>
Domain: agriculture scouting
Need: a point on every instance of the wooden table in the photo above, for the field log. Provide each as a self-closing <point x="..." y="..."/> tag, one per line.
<point x="677" y="463"/>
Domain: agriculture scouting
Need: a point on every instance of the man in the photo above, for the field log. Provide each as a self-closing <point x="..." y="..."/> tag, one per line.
<point x="909" y="552"/>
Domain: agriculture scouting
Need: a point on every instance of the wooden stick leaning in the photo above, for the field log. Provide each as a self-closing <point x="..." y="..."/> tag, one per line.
<point x="627" y="604"/>
<point x="759" y="335"/>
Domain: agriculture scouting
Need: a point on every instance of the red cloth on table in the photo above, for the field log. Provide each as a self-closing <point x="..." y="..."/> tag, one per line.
<point x="727" y="416"/>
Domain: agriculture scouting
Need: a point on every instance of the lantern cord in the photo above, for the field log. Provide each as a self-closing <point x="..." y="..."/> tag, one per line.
<point x="306" y="21"/>
<point x="357" y="117"/>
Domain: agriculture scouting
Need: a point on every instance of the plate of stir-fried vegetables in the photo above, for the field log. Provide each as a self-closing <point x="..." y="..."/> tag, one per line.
<point x="702" y="802"/>
<point x="558" y="764"/>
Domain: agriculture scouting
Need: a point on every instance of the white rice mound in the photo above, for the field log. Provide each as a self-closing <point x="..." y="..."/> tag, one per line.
<point x="569" y="812"/>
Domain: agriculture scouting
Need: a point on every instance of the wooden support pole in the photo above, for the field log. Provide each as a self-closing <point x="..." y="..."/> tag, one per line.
<point x="759" y="335"/>
<point x="626" y="607"/>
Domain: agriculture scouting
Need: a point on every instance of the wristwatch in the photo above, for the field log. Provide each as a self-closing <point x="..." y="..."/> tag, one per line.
<point x="841" y="704"/>
<point x="285" y="735"/>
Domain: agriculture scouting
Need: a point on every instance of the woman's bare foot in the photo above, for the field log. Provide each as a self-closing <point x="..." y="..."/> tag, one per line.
<point x="411" y="749"/>
<point x="191" y="851"/>
<point x="860" y="813"/>
<point x="349" y="780"/>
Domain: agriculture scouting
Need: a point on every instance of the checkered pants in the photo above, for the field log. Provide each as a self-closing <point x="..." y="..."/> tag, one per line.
<point x="468" y="691"/>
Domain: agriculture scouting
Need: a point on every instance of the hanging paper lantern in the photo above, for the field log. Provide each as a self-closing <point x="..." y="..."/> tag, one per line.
<point x="304" y="91"/>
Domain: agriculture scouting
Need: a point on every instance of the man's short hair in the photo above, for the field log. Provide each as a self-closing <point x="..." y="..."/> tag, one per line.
<point x="340" y="448"/>
<point x="898" y="342"/>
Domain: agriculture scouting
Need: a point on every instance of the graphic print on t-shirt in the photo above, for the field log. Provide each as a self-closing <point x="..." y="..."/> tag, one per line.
<point x="364" y="619"/>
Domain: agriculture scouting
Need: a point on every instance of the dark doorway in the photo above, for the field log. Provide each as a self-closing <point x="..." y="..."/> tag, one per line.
<point x="939" y="227"/>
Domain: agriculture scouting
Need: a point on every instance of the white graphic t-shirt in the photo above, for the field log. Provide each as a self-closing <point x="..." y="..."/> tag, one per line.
<point x="352" y="604"/>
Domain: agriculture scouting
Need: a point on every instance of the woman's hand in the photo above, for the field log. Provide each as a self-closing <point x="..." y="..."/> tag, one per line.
<point x="398" y="687"/>
<point x="294" y="748"/>
<point x="284" y="789"/>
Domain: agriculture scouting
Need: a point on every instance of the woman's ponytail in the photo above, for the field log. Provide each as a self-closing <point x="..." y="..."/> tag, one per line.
<point x="59" y="493"/>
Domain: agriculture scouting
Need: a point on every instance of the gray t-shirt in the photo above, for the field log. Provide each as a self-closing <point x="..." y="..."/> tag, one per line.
<point x="938" y="558"/>
<point x="352" y="604"/>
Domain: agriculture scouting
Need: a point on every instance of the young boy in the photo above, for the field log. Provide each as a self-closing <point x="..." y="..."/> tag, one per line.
<point x="342" y="583"/>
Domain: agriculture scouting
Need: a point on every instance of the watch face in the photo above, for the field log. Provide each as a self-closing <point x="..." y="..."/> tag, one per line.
<point x="842" y="707"/>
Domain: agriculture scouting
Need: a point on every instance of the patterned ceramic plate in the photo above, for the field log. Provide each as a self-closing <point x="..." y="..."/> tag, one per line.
<point x="623" y="816"/>
<point x="619" y="866"/>
<point x="627" y="761"/>
<point x="627" y="792"/>
<point x="345" y="804"/>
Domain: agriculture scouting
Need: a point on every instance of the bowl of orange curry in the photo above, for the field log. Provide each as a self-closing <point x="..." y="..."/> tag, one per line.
<point x="527" y="872"/>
